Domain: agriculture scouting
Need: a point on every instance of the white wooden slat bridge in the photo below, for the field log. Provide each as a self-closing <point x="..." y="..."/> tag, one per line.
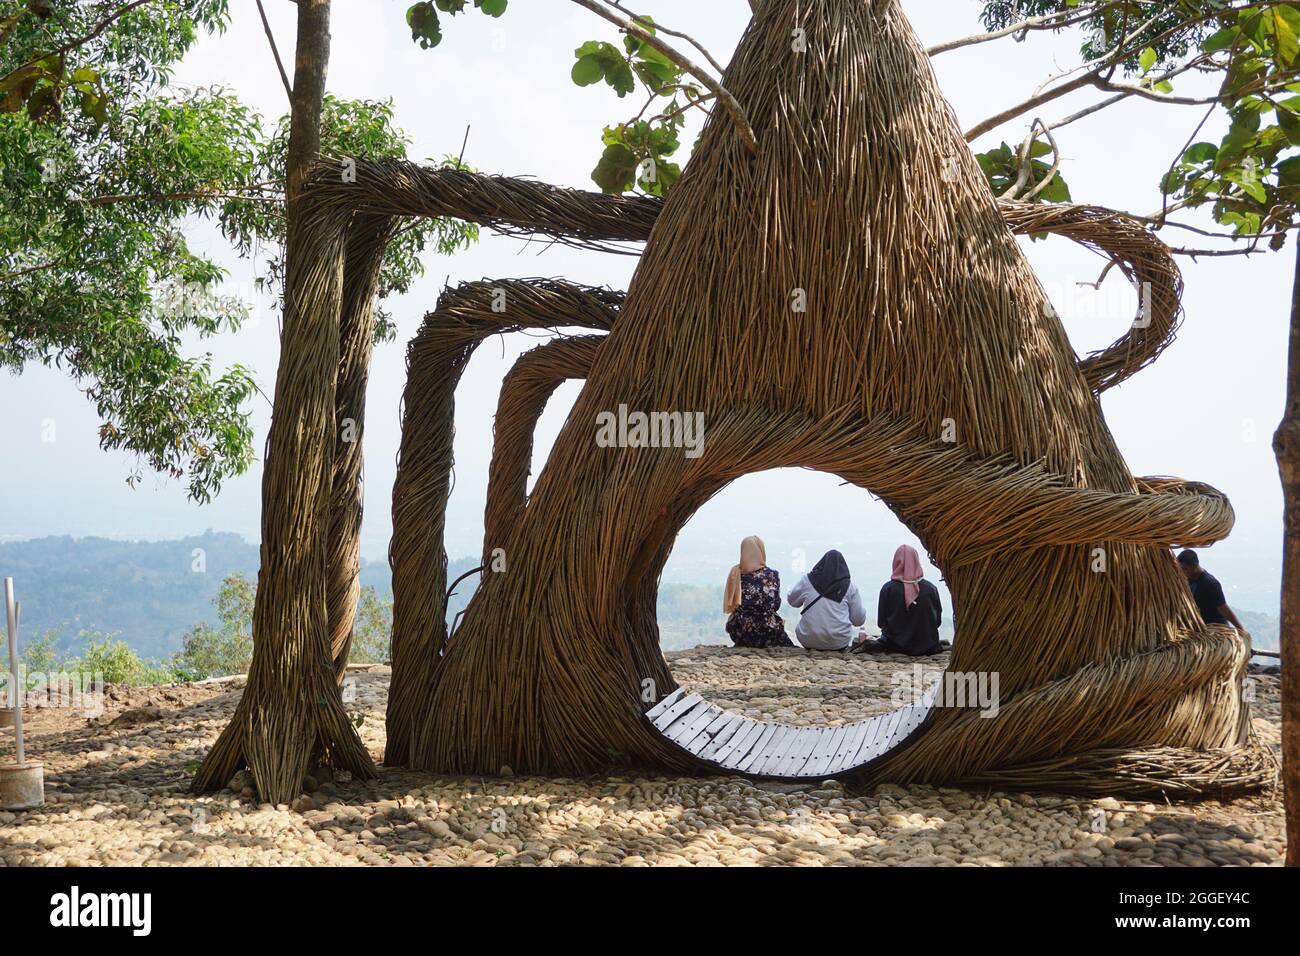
<point x="737" y="744"/>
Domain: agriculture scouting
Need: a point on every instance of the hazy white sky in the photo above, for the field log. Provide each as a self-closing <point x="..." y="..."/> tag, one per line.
<point x="1206" y="410"/>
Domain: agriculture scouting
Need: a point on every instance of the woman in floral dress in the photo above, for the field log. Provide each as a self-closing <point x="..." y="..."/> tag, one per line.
<point x="752" y="598"/>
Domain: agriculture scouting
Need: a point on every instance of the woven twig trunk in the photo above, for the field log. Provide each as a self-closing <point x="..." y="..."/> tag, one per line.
<point x="435" y="360"/>
<point x="291" y="709"/>
<point x="367" y="238"/>
<point x="927" y="367"/>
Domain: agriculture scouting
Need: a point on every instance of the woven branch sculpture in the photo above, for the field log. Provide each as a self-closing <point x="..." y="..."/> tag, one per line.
<point x="927" y="367"/>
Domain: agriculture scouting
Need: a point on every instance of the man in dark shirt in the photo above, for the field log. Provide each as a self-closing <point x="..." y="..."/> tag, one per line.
<point x="1207" y="592"/>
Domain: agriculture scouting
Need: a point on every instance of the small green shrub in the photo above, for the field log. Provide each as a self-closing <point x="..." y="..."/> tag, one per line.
<point x="117" y="663"/>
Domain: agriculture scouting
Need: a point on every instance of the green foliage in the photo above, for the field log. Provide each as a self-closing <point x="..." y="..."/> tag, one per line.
<point x="114" y="659"/>
<point x="598" y="61"/>
<point x="1250" y="180"/>
<point x="209" y="651"/>
<point x="95" y="276"/>
<point x="426" y="27"/>
<point x="95" y="54"/>
<point x="355" y="129"/>
<point x="40" y="655"/>
<point x="1002" y="167"/>
<point x="1159" y="34"/>
<point x="227" y="647"/>
<point x="104" y="656"/>
<point x="372" y="631"/>
<point x="635" y="153"/>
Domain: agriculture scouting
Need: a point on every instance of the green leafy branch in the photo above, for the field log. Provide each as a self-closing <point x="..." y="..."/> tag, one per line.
<point x="636" y="152"/>
<point x="426" y="26"/>
<point x="1249" y="179"/>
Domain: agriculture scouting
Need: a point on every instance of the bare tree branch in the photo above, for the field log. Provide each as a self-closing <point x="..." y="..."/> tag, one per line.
<point x="1164" y="196"/>
<point x="672" y="33"/>
<point x="1054" y="21"/>
<point x="993" y="122"/>
<point x="1111" y="101"/>
<point x="256" y="192"/>
<point x="275" y="51"/>
<point x="1027" y="165"/>
<point x="1097" y="72"/>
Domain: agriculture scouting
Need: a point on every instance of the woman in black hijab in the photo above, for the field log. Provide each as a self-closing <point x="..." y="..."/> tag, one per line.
<point x="830" y="606"/>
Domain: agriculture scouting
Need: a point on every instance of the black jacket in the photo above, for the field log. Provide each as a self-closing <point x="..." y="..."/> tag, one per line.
<point x="910" y="630"/>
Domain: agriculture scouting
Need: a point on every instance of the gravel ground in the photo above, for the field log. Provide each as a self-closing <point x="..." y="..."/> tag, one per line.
<point x="116" y="794"/>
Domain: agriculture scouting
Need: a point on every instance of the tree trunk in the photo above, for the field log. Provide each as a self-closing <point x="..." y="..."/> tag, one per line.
<point x="311" y="63"/>
<point x="291" y="708"/>
<point x="367" y="238"/>
<point x="1286" y="443"/>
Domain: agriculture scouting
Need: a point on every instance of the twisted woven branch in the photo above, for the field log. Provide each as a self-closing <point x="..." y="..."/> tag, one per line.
<point x="1140" y="256"/>
<point x="1166" y="772"/>
<point x="363" y="259"/>
<point x="527" y="387"/>
<point x="510" y="205"/>
<point x="435" y="360"/>
<point x="291" y="710"/>
<point x="521" y="207"/>
<point x="1122" y="704"/>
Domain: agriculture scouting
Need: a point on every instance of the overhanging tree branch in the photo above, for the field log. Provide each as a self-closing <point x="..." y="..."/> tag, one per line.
<point x="275" y="51"/>
<point x="1052" y="21"/>
<point x="673" y="33"/>
<point x="724" y="96"/>
<point x="993" y="122"/>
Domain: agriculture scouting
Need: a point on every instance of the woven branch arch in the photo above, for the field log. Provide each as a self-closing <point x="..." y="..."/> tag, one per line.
<point x="884" y="457"/>
<point x="1143" y="259"/>
<point x="923" y="363"/>
<point x="524" y="393"/>
<point x="1034" y="470"/>
<point x="435" y="360"/>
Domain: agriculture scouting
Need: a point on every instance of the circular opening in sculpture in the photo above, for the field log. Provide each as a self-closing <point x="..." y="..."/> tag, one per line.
<point x="799" y="514"/>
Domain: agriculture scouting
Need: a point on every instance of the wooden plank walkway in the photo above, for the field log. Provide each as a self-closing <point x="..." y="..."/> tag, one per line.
<point x="763" y="749"/>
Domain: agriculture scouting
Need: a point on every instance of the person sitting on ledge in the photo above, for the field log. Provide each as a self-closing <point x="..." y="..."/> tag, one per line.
<point x="751" y="600"/>
<point x="909" y="612"/>
<point x="832" y="606"/>
<point x="1207" y="592"/>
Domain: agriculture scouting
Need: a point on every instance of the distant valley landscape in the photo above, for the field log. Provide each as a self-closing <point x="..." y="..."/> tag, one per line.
<point x="150" y="593"/>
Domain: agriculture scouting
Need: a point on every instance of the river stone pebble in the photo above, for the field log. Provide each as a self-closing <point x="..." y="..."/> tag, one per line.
<point x="117" y="794"/>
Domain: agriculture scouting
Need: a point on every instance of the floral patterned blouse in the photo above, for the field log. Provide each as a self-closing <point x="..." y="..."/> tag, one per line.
<point x="755" y="623"/>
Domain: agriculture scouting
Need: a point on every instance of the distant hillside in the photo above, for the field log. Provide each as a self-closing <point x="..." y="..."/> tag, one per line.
<point x="147" y="590"/>
<point x="1265" y="632"/>
<point x="151" y="592"/>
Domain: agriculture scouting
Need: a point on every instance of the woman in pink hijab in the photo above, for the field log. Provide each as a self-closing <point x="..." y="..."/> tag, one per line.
<point x="909" y="612"/>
